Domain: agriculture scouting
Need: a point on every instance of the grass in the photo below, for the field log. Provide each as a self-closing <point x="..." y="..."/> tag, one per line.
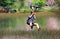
<point x="34" y="34"/>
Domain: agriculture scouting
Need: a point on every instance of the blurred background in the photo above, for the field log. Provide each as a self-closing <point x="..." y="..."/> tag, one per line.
<point x="14" y="13"/>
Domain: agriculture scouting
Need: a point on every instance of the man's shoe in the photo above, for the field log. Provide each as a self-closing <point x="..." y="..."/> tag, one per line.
<point x="39" y="29"/>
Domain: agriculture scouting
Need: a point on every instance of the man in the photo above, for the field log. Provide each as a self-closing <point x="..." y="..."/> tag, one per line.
<point x="31" y="20"/>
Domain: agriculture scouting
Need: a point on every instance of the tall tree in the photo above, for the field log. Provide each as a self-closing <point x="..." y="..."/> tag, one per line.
<point x="7" y="4"/>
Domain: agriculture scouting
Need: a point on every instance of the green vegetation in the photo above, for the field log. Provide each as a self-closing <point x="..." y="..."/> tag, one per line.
<point x="11" y="5"/>
<point x="7" y="4"/>
<point x="40" y="3"/>
<point x="58" y="2"/>
<point x="25" y="9"/>
<point x="20" y="6"/>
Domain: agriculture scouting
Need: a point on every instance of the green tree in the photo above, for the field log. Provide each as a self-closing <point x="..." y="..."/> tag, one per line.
<point x="39" y="2"/>
<point x="10" y="4"/>
<point x="3" y="3"/>
<point x="7" y="4"/>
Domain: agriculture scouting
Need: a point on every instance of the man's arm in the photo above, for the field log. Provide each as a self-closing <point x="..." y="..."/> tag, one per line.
<point x="30" y="16"/>
<point x="34" y="17"/>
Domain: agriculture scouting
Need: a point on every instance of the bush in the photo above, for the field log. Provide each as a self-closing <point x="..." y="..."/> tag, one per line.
<point x="39" y="3"/>
<point x="25" y="9"/>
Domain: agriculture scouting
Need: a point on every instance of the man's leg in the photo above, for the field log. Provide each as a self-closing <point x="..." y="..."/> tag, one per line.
<point x="36" y="24"/>
<point x="31" y="25"/>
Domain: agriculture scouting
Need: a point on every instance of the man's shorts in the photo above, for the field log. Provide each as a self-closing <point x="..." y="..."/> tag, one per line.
<point x="31" y="26"/>
<point x="29" y="23"/>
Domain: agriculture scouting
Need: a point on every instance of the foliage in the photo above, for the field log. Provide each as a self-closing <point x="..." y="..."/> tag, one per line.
<point x="11" y="5"/>
<point x="58" y="2"/>
<point x="7" y="4"/>
<point x="25" y="9"/>
<point x="40" y="3"/>
<point x="3" y="3"/>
